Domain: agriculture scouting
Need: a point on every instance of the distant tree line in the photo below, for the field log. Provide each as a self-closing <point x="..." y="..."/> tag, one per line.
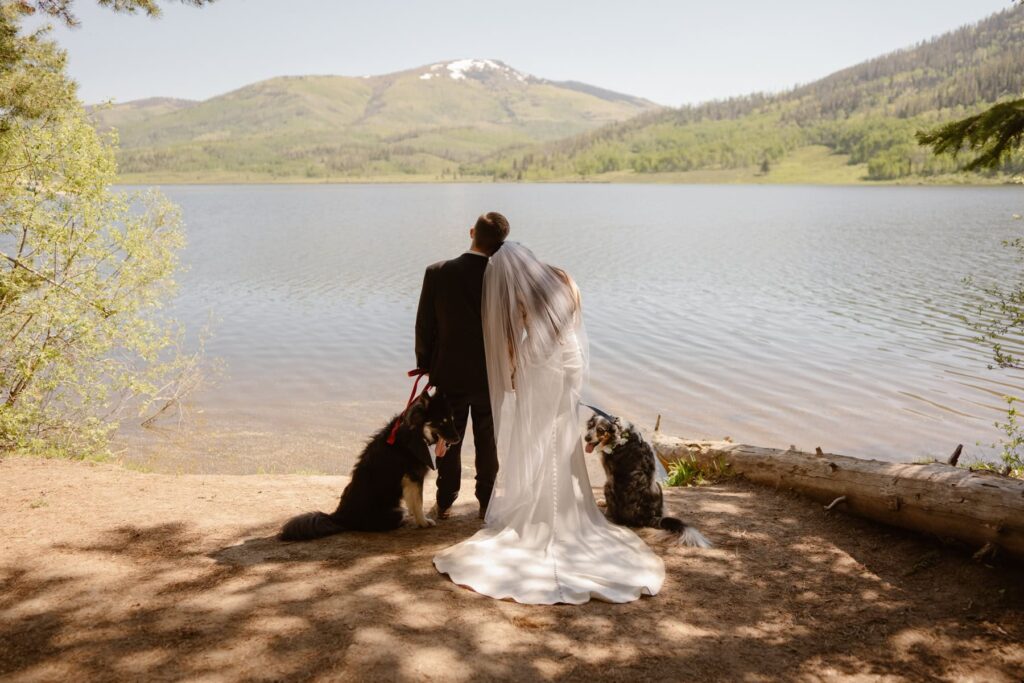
<point x="871" y="112"/>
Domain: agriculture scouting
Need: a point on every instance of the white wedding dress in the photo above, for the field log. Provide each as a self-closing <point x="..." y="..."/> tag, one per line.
<point x="544" y="541"/>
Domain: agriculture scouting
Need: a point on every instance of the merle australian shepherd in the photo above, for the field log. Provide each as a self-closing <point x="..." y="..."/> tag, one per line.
<point x="632" y="493"/>
<point x="385" y="475"/>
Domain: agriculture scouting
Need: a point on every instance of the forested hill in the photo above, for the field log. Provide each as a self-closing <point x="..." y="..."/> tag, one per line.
<point x="855" y="124"/>
<point x="419" y="122"/>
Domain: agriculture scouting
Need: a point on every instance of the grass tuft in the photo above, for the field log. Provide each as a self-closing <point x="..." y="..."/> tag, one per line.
<point x="689" y="471"/>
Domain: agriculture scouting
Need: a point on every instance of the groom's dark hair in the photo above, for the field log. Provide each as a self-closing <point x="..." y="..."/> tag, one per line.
<point x="490" y="231"/>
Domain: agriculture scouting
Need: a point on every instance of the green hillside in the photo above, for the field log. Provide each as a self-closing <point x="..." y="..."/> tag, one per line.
<point x="117" y="116"/>
<point x="423" y="122"/>
<point x="855" y="125"/>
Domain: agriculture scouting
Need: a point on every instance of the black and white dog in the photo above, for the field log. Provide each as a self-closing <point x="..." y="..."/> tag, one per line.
<point x="632" y="493"/>
<point x="385" y="475"/>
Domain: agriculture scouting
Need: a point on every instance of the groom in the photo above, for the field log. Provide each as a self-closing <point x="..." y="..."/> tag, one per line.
<point x="450" y="346"/>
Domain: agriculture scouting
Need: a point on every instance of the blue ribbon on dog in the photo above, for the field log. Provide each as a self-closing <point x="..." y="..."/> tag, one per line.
<point x="597" y="411"/>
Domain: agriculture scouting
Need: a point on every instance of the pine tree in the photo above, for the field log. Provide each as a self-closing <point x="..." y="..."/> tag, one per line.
<point x="994" y="135"/>
<point x="61" y="9"/>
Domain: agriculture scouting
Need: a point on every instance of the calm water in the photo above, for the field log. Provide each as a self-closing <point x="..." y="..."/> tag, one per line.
<point x="775" y="315"/>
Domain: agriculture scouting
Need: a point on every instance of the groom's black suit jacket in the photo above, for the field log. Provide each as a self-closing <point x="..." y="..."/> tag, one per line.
<point x="449" y="330"/>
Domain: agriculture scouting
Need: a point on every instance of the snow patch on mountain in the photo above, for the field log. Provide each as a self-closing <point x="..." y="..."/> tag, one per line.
<point x="459" y="69"/>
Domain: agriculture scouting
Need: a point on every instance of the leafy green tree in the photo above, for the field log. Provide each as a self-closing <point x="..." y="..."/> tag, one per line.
<point x="993" y="136"/>
<point x="84" y="271"/>
<point x="1001" y="316"/>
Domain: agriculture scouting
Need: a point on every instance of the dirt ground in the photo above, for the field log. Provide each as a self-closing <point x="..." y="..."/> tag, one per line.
<point x="110" y="574"/>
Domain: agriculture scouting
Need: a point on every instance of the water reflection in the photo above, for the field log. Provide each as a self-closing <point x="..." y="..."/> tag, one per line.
<point x="776" y="315"/>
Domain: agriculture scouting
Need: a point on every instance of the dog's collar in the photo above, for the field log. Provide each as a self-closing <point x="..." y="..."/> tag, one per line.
<point x="621" y="441"/>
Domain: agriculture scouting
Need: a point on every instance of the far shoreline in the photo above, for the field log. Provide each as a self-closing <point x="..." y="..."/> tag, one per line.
<point x="146" y="181"/>
<point x="811" y="166"/>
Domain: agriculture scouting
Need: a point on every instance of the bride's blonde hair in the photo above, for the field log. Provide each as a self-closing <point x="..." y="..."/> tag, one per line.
<point x="536" y="303"/>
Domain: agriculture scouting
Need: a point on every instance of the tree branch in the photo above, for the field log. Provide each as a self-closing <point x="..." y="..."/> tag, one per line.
<point x="19" y="264"/>
<point x="995" y="134"/>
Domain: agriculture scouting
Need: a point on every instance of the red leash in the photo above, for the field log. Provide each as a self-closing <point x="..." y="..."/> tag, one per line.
<point x="418" y="373"/>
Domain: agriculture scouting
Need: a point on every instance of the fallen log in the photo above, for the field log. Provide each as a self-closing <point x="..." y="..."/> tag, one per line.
<point x="977" y="508"/>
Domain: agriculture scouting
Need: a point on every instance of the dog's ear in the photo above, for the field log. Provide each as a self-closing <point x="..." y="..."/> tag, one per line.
<point x="416" y="415"/>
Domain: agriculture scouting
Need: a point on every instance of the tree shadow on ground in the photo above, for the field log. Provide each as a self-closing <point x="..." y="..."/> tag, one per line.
<point x="789" y="592"/>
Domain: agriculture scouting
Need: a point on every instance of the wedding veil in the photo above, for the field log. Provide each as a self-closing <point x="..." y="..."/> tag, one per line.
<point x="533" y="336"/>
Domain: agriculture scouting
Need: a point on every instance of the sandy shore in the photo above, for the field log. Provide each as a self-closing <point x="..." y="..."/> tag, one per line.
<point x="111" y="574"/>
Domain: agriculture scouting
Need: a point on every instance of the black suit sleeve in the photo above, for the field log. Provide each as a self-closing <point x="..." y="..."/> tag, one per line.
<point x="426" y="322"/>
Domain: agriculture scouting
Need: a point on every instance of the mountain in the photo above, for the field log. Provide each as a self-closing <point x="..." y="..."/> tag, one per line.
<point x="425" y="121"/>
<point x="854" y="125"/>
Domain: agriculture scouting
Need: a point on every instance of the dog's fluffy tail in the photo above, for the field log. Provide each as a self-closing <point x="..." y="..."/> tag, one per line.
<point x="309" y="526"/>
<point x="682" y="533"/>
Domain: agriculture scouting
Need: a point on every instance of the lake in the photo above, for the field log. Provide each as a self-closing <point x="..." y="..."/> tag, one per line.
<point x="776" y="315"/>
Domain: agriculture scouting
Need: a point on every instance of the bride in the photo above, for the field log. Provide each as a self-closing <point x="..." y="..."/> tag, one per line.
<point x="544" y="541"/>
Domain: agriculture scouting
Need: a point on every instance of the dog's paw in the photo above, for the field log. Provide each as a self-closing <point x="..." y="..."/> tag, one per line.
<point x="602" y="503"/>
<point x="426" y="523"/>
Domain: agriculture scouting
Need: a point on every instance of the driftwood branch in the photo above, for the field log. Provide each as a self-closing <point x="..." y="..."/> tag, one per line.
<point x="835" y="502"/>
<point x="955" y="457"/>
<point x="987" y="552"/>
<point x="186" y="381"/>
<point x="977" y="508"/>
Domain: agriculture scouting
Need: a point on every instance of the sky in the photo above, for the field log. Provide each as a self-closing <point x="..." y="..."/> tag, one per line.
<point x="670" y="51"/>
